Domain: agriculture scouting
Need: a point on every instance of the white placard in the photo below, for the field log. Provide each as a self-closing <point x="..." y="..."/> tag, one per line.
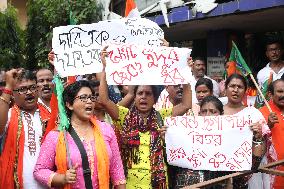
<point x="77" y="47"/>
<point x="146" y="65"/>
<point x="216" y="143"/>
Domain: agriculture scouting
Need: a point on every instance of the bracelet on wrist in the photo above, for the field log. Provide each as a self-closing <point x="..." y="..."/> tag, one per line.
<point x="7" y="91"/>
<point x="4" y="100"/>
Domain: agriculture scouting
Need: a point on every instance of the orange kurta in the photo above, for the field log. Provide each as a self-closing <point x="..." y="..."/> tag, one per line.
<point x="277" y="139"/>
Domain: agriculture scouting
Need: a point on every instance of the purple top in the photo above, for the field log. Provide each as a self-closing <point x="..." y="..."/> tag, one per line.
<point x="45" y="165"/>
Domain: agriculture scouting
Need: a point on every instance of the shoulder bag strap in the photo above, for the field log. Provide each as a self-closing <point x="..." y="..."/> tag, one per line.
<point x="84" y="157"/>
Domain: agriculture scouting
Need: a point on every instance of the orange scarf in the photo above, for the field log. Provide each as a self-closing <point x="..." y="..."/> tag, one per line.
<point x="101" y="153"/>
<point x="52" y="123"/>
<point x="13" y="151"/>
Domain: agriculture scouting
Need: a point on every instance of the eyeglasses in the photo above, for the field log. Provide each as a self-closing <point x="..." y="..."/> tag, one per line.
<point x="84" y="98"/>
<point x="25" y="89"/>
<point x="277" y="50"/>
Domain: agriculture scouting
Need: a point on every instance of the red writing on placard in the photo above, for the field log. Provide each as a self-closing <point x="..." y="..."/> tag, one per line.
<point x="176" y="153"/>
<point x="130" y="72"/>
<point x="188" y="121"/>
<point x="207" y="139"/>
<point x="195" y="157"/>
<point x="210" y="123"/>
<point x="217" y="160"/>
<point x="122" y="53"/>
<point x="238" y="122"/>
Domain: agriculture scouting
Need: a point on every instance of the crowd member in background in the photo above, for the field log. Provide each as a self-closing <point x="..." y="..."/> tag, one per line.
<point x="96" y="137"/>
<point x="236" y="87"/>
<point x="45" y="87"/>
<point x="273" y="70"/>
<point x="203" y="88"/>
<point x="275" y="66"/>
<point x="98" y="108"/>
<point x="21" y="130"/>
<point x="198" y="70"/>
<point x="211" y="106"/>
<point x="142" y="148"/>
<point x="275" y="122"/>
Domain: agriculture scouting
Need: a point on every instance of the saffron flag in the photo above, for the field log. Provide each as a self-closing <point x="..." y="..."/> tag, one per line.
<point x="237" y="57"/>
<point x="131" y="9"/>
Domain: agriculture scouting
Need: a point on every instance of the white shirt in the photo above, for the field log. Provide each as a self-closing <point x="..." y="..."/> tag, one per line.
<point x="264" y="73"/>
<point x="44" y="105"/>
<point x="33" y="134"/>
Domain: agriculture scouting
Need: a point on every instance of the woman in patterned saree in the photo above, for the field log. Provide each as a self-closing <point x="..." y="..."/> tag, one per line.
<point x="142" y="146"/>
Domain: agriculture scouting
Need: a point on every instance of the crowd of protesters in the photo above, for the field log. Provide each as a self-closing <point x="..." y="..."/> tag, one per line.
<point x="116" y="134"/>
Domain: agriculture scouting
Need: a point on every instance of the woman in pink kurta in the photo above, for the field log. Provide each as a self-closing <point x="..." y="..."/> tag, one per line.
<point x="46" y="161"/>
<point x="80" y="105"/>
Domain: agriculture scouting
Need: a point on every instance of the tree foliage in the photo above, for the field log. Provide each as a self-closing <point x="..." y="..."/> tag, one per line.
<point x="44" y="15"/>
<point x="11" y="40"/>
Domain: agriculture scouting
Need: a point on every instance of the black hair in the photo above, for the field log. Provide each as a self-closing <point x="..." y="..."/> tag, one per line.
<point x="89" y="76"/>
<point x="271" y="86"/>
<point x="154" y="91"/>
<point x="273" y="40"/>
<point x="205" y="81"/>
<point x="236" y="76"/>
<point x="43" y="69"/>
<point x="27" y="75"/>
<point x="199" y="58"/>
<point x="71" y="91"/>
<point x="94" y="83"/>
<point x="215" y="101"/>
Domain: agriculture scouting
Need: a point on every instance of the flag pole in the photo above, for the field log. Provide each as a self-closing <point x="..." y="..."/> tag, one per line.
<point x="245" y="70"/>
<point x="259" y="91"/>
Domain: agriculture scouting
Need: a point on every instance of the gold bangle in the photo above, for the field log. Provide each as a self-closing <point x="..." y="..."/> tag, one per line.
<point x="4" y="100"/>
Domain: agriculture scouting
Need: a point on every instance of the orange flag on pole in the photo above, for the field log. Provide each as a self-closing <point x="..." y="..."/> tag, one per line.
<point x="131" y="9"/>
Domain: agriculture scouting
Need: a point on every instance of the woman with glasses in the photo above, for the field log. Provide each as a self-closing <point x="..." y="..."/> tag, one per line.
<point x="100" y="150"/>
<point x="142" y="145"/>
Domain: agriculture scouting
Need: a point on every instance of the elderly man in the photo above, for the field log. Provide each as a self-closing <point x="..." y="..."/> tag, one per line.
<point x="21" y="130"/>
<point x="275" y="121"/>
